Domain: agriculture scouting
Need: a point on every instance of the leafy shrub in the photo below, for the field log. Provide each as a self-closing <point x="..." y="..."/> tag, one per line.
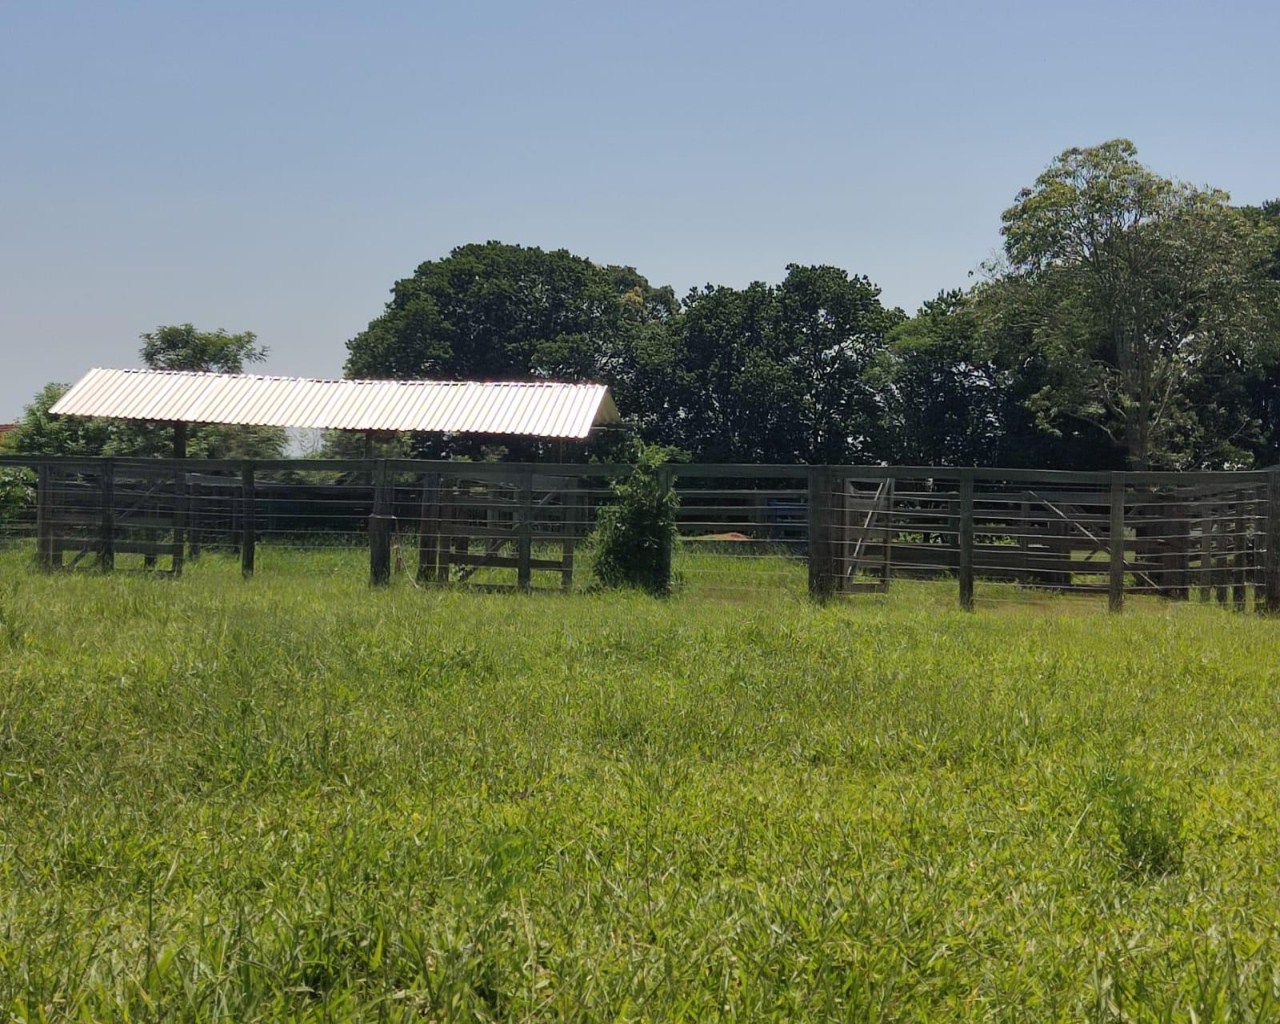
<point x="16" y="497"/>
<point x="636" y="532"/>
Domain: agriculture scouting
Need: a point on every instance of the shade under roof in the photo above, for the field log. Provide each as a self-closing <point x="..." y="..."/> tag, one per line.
<point x="542" y="409"/>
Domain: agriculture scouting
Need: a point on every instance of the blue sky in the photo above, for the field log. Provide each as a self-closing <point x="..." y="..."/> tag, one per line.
<point x="276" y="166"/>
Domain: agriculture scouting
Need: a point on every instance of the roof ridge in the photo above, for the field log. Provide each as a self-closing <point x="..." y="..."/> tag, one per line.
<point x="169" y="372"/>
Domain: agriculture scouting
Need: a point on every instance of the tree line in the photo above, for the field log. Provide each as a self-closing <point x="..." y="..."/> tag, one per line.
<point x="1131" y="321"/>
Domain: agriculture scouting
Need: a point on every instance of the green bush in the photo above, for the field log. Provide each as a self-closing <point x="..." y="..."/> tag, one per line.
<point x="16" y="497"/>
<point x="636" y="532"/>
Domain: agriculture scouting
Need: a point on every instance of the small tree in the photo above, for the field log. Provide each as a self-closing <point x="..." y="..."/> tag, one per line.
<point x="636" y="533"/>
<point x="182" y="347"/>
<point x="16" y="498"/>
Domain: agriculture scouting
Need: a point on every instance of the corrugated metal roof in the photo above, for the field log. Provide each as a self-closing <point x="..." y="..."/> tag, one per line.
<point x="541" y="409"/>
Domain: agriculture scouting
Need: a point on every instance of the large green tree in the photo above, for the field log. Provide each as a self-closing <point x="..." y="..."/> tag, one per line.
<point x="834" y="328"/>
<point x="495" y="312"/>
<point x="729" y="398"/>
<point x="941" y="392"/>
<point x="780" y="373"/>
<point x="1140" y="294"/>
<point x="955" y="395"/>
<point x="642" y="354"/>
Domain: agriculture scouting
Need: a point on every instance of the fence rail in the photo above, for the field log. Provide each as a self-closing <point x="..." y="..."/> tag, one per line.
<point x="824" y="530"/>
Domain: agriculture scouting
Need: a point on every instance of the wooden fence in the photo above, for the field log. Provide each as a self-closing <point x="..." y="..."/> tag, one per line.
<point x="850" y="529"/>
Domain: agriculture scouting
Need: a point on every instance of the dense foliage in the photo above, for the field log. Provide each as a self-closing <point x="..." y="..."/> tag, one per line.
<point x="183" y="347"/>
<point x="1132" y="320"/>
<point x="1148" y="299"/>
<point x="635" y="533"/>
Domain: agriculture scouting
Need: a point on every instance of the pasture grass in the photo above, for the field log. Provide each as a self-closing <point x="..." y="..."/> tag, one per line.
<point x="294" y="798"/>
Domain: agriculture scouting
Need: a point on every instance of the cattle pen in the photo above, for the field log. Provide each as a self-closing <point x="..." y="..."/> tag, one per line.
<point x="823" y="530"/>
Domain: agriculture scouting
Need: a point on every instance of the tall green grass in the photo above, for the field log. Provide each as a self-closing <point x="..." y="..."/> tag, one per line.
<point x="295" y="798"/>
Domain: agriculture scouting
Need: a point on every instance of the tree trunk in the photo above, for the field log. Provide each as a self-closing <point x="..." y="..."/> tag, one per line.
<point x="1135" y="443"/>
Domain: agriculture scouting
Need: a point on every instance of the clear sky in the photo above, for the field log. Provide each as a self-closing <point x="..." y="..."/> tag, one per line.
<point x="275" y="166"/>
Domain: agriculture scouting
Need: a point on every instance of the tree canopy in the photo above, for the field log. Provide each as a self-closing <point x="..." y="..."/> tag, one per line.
<point x="778" y="373"/>
<point x="182" y="347"/>
<point x="1132" y="320"/>
<point x="495" y="312"/>
<point x="1146" y="298"/>
<point x="761" y="373"/>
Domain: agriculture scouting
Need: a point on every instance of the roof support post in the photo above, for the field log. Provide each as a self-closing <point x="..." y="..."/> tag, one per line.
<point x="380" y="527"/>
<point x="248" y="527"/>
<point x="107" y="525"/>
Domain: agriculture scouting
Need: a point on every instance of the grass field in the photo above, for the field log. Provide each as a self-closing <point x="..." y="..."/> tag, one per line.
<point x="297" y="798"/>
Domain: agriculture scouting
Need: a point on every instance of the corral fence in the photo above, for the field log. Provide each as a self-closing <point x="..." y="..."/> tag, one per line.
<point x="824" y="530"/>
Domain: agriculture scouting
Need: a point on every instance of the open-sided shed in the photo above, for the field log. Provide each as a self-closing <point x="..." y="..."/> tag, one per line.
<point x="158" y="508"/>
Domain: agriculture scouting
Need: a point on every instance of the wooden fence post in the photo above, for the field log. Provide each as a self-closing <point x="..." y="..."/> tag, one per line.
<point x="964" y="536"/>
<point x="524" y="532"/>
<point x="821" y="583"/>
<point x="380" y="528"/>
<point x="248" y="526"/>
<point x="1115" y="596"/>
<point x="107" y="538"/>
<point x="1271" y="553"/>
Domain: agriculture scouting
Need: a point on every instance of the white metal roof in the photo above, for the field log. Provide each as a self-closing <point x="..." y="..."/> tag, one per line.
<point x="542" y="409"/>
